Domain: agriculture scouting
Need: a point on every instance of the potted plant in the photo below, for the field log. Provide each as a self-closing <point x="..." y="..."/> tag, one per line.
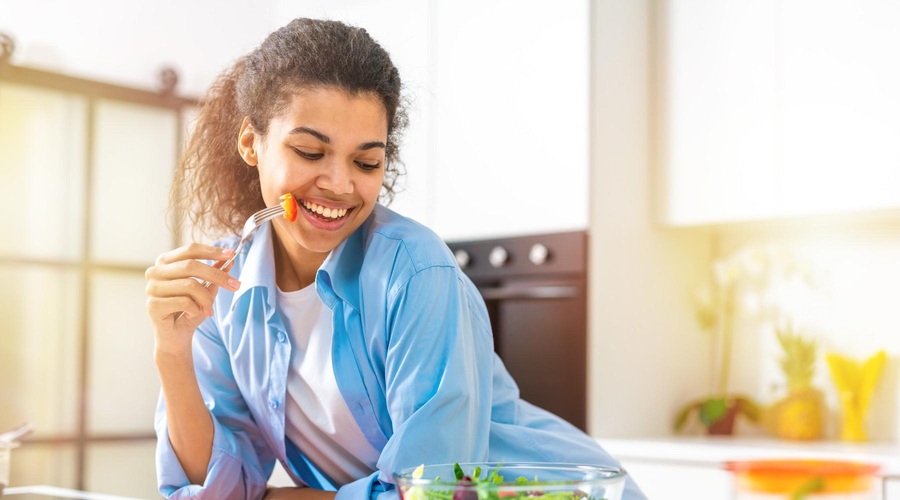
<point x="733" y="281"/>
<point x="718" y="411"/>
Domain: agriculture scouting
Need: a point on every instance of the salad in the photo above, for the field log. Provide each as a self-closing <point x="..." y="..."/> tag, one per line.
<point x="488" y="484"/>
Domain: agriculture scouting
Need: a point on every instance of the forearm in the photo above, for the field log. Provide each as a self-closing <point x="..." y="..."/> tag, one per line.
<point x="189" y="423"/>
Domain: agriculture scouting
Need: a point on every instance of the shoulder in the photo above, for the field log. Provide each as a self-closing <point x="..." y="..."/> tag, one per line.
<point x="397" y="249"/>
<point x="405" y="241"/>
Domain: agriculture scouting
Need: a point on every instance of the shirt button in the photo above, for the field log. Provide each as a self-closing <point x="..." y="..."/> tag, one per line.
<point x="274" y="404"/>
<point x="282" y="337"/>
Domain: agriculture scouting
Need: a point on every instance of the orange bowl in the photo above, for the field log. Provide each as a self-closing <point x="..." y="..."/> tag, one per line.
<point x="786" y="476"/>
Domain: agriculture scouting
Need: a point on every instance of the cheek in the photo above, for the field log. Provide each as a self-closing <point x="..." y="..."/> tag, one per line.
<point x="373" y="187"/>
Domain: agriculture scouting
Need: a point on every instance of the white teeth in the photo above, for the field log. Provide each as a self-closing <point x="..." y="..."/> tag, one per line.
<point x="331" y="213"/>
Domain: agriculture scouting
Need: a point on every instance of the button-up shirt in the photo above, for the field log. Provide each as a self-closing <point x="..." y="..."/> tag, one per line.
<point x="412" y="355"/>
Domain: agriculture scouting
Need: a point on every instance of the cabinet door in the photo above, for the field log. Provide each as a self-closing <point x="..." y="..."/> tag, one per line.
<point x="778" y="109"/>
<point x="680" y="482"/>
<point x="892" y="488"/>
<point x="841" y="106"/>
<point x="511" y="120"/>
<point x="718" y="84"/>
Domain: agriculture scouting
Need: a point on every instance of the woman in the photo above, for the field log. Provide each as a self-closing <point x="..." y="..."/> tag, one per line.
<point x="347" y="345"/>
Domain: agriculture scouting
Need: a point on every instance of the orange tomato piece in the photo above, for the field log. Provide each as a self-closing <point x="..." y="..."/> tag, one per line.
<point x="290" y="206"/>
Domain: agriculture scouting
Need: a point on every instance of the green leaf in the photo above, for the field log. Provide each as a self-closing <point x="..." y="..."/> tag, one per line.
<point x="748" y="408"/>
<point x="712" y="410"/>
<point x="458" y="472"/>
<point x="812" y="486"/>
<point x="683" y="414"/>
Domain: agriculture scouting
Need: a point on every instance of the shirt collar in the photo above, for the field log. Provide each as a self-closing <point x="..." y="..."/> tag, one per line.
<point x="337" y="278"/>
<point x="257" y="266"/>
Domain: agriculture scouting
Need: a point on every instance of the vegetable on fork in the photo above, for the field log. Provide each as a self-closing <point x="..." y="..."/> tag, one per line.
<point x="289" y="204"/>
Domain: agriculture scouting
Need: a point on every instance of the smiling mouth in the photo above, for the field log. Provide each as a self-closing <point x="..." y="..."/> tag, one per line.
<point x="325" y="213"/>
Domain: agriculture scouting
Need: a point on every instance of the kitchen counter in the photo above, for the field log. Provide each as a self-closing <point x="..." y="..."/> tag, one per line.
<point x="55" y="493"/>
<point x="715" y="451"/>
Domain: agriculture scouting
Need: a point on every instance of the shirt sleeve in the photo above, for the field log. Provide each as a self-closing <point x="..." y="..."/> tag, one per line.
<point x="439" y="388"/>
<point x="437" y="379"/>
<point x="239" y="464"/>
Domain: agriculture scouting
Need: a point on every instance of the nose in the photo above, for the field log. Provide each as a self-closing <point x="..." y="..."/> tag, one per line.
<point x="335" y="177"/>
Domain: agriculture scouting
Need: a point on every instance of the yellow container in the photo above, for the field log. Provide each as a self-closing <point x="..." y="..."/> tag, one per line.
<point x="803" y="480"/>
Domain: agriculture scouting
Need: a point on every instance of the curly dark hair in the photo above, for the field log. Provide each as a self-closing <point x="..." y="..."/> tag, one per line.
<point x="306" y="53"/>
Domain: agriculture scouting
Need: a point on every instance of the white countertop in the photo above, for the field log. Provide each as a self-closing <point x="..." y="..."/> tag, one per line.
<point x="56" y="493"/>
<point x="715" y="451"/>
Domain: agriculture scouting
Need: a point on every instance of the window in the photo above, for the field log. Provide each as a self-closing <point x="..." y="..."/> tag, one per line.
<point x="85" y="170"/>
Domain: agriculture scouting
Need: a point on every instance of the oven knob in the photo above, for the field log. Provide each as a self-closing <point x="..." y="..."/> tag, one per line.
<point x="538" y="254"/>
<point x="462" y="258"/>
<point x="498" y="257"/>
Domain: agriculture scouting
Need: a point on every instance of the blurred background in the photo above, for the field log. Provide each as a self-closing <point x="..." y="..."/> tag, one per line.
<point x="697" y="143"/>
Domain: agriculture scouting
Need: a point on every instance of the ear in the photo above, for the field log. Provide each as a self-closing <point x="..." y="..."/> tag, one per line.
<point x="247" y="142"/>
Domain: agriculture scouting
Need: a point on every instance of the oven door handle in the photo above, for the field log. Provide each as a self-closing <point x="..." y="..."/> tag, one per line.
<point x="532" y="292"/>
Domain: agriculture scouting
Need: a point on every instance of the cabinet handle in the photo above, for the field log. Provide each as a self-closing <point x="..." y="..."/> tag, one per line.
<point x="534" y="292"/>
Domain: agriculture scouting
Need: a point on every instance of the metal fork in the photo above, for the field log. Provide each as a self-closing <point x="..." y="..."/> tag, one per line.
<point x="254" y="221"/>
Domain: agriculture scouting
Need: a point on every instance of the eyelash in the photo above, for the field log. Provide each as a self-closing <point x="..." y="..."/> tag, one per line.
<point x="368" y="166"/>
<point x="317" y="156"/>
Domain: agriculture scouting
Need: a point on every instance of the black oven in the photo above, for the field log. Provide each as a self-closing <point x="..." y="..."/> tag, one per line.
<point x="535" y="288"/>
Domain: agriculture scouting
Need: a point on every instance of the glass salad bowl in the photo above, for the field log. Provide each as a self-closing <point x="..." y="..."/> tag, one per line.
<point x="490" y="481"/>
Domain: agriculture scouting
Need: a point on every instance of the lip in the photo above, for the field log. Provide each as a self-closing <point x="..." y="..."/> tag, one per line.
<point x="323" y="224"/>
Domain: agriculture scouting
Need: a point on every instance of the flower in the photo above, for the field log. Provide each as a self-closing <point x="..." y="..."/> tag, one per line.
<point x="739" y="284"/>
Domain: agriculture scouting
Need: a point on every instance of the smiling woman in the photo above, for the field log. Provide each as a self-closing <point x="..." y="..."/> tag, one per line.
<point x="347" y="345"/>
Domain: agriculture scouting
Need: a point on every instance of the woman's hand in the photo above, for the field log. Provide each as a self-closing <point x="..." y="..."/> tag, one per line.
<point x="173" y="289"/>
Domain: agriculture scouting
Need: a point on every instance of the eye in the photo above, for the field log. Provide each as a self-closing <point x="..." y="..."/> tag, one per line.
<point x="307" y="155"/>
<point x="368" y="166"/>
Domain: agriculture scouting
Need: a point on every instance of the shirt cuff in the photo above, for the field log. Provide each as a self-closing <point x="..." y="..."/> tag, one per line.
<point x="224" y="476"/>
<point x="368" y="487"/>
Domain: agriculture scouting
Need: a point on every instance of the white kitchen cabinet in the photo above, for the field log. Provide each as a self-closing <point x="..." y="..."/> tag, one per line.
<point x="510" y="125"/>
<point x="680" y="482"/>
<point x="891" y="488"/>
<point x="840" y="106"/>
<point x="776" y="109"/>
<point x="718" y="119"/>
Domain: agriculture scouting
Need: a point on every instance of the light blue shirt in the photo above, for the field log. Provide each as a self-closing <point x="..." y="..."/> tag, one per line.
<point x="413" y="358"/>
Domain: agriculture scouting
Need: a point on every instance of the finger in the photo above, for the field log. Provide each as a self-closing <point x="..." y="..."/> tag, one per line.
<point x="195" y="269"/>
<point x="187" y="287"/>
<point x="165" y="308"/>
<point x="195" y="251"/>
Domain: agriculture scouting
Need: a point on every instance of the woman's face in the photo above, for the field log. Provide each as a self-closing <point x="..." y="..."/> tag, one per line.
<point x="327" y="149"/>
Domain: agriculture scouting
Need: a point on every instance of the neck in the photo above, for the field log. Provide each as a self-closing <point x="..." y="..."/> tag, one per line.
<point x="295" y="267"/>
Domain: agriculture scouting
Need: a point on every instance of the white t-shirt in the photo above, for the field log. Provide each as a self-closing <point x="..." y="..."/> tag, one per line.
<point x="317" y="419"/>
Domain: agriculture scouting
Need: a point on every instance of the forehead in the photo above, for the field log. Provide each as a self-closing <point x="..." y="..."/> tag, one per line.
<point x="334" y="112"/>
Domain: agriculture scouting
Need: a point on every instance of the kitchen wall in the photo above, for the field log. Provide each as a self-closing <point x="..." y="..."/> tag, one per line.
<point x="642" y="330"/>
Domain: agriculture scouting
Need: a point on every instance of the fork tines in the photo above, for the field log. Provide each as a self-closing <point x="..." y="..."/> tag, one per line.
<point x="268" y="213"/>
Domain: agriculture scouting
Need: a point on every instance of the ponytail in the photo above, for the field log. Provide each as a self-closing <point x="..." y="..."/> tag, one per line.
<point x="214" y="188"/>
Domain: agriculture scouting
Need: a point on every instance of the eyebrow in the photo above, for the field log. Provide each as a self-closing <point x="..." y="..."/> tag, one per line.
<point x="327" y="140"/>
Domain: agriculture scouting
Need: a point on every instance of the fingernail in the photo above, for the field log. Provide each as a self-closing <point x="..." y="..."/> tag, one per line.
<point x="233" y="283"/>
